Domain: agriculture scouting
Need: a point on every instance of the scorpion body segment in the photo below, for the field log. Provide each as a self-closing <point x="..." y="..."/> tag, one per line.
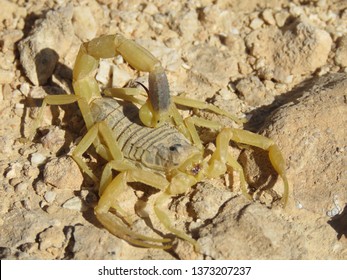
<point x="161" y="149"/>
<point x="144" y="138"/>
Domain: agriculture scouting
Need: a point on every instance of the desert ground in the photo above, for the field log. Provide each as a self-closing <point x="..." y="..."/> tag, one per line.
<point x="280" y="64"/>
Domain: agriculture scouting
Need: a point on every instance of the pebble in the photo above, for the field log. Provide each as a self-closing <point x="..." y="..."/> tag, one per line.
<point x="21" y="187"/>
<point x="50" y="196"/>
<point x="51" y="237"/>
<point x="6" y="76"/>
<point x="37" y="159"/>
<point x="12" y="171"/>
<point x="63" y="173"/>
<point x="268" y="17"/>
<point x="120" y="76"/>
<point x="341" y="52"/>
<point x="50" y="39"/>
<point x="54" y="140"/>
<point x="104" y="72"/>
<point x="84" y="23"/>
<point x="74" y="203"/>
<point x="281" y="18"/>
<point x="24" y="89"/>
<point x="256" y="23"/>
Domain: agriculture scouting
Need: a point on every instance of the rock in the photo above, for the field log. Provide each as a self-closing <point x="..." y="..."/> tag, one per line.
<point x="341" y="52"/>
<point x="21" y="187"/>
<point x="51" y="237"/>
<point x="86" y="246"/>
<point x="104" y="72"/>
<point x="50" y="196"/>
<point x="186" y="23"/>
<point x="74" y="203"/>
<point x="253" y="91"/>
<point x="10" y="13"/>
<point x="50" y="39"/>
<point x="63" y="173"/>
<point x="207" y="199"/>
<point x="268" y="17"/>
<point x="299" y="50"/>
<point x="37" y="159"/>
<point x="310" y="131"/>
<point x="84" y="23"/>
<point x="6" y="76"/>
<point x="243" y="230"/>
<point x="205" y="62"/>
<point x="55" y="139"/>
<point x="256" y="23"/>
<point x="120" y="76"/>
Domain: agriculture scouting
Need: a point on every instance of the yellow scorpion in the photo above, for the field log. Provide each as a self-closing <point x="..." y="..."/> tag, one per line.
<point x="144" y="138"/>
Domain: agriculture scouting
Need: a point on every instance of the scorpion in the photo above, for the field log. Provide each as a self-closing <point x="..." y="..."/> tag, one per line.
<point x="142" y="136"/>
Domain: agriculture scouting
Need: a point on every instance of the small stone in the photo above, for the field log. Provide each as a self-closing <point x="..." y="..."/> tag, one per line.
<point x="188" y="24"/>
<point x="13" y="170"/>
<point x="50" y="39"/>
<point x="281" y="18"/>
<point x="24" y="89"/>
<point x="21" y="187"/>
<point x="104" y="72"/>
<point x="19" y="106"/>
<point x="253" y="90"/>
<point x="256" y="23"/>
<point x="6" y="76"/>
<point x="37" y="159"/>
<point x="54" y="140"/>
<point x="63" y="173"/>
<point x="9" y="38"/>
<point x="341" y="52"/>
<point x="120" y="76"/>
<point x="150" y="9"/>
<point x="51" y="237"/>
<point x="50" y="196"/>
<point x="74" y="203"/>
<point x="268" y="17"/>
<point x="296" y="11"/>
<point x="84" y="23"/>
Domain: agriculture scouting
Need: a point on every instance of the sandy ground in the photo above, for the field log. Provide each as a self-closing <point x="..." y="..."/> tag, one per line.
<point x="282" y="64"/>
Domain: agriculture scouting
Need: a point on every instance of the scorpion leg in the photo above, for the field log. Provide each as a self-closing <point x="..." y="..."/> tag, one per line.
<point x="108" y="200"/>
<point x="191" y="122"/>
<point x="237" y="135"/>
<point x="128" y="94"/>
<point x="151" y="179"/>
<point x="221" y="156"/>
<point x="109" y="151"/>
<point x="110" y="189"/>
<point x="275" y="155"/>
<point x="188" y="102"/>
<point x="165" y="220"/>
<point x="62" y="99"/>
<point x="114" y="224"/>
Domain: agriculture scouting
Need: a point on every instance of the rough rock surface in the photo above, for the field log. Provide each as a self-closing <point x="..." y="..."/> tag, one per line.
<point x="50" y="39"/>
<point x="282" y="64"/>
<point x="319" y="111"/>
